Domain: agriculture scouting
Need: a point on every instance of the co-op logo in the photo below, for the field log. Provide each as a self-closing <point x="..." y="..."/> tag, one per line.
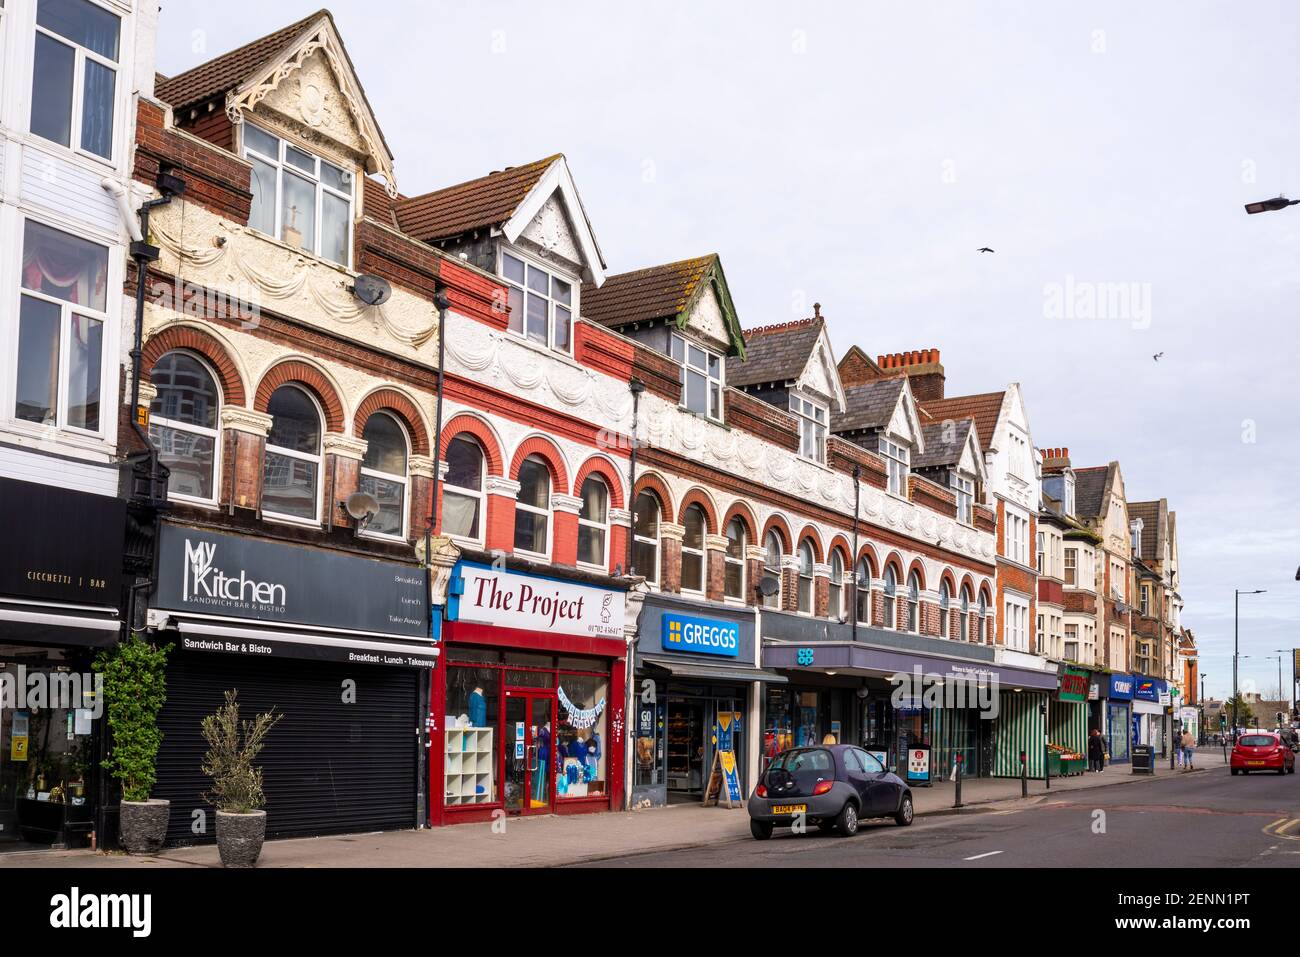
<point x="205" y="583"/>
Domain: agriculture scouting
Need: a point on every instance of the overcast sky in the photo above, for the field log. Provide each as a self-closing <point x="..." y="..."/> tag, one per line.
<point x="858" y="154"/>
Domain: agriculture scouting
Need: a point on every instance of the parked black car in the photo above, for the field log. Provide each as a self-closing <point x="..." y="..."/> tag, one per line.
<point x="833" y="786"/>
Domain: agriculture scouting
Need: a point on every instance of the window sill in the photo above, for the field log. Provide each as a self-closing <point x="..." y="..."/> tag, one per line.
<point x="291" y="520"/>
<point x="523" y="340"/>
<point x="40" y="143"/>
<point x="720" y="423"/>
<point x="209" y="504"/>
<point x="597" y="569"/>
<point x="531" y="556"/>
<point x="299" y="251"/>
<point x="47" y="433"/>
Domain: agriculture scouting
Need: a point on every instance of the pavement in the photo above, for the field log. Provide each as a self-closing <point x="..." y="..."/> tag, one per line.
<point x="552" y="840"/>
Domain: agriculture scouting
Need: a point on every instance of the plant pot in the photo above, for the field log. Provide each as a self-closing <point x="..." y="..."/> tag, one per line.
<point x="240" y="837"/>
<point x="143" y="825"/>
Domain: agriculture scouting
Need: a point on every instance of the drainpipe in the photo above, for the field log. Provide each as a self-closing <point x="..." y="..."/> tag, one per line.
<point x="441" y="301"/>
<point x="857" y="502"/>
<point x="636" y="387"/>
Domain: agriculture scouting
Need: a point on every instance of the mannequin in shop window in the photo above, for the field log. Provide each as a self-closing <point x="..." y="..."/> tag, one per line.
<point x="477" y="708"/>
<point x="543" y="761"/>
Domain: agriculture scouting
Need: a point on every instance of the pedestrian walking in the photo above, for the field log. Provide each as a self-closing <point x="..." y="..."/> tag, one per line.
<point x="1096" y="752"/>
<point x="1189" y="750"/>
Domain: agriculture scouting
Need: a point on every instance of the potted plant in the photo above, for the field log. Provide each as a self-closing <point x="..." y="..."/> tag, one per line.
<point x="135" y="687"/>
<point x="236" y="782"/>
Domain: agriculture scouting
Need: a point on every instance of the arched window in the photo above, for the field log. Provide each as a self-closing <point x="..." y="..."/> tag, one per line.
<point x="462" y="489"/>
<point x="383" y="473"/>
<point x="945" y="601"/>
<point x="914" y="603"/>
<point x="645" y="537"/>
<point x="963" y="616"/>
<point x="737" y="539"/>
<point x="184" y="423"/>
<point x="292" y="473"/>
<point x="772" y="567"/>
<point x="862" y="585"/>
<point x="979" y="621"/>
<point x="533" y="507"/>
<point x="593" y="523"/>
<point x="891" y="593"/>
<point x="836" y="603"/>
<point x="805" y="579"/>
<point x="693" y="549"/>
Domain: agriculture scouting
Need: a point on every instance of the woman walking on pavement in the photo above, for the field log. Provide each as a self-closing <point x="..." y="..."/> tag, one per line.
<point x="1189" y="749"/>
<point x="1096" y="751"/>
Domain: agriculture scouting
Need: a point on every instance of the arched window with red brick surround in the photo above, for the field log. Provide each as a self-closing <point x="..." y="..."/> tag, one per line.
<point x="292" y="472"/>
<point x="185" y="425"/>
<point x="463" y="508"/>
<point x="384" y="473"/>
<point x="593" y="522"/>
<point x="863" y="572"/>
<point x="533" y="508"/>
<point x="647" y="512"/>
<point x="695" y="568"/>
<point x="400" y="407"/>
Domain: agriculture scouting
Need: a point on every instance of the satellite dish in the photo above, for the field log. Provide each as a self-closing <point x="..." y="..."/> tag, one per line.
<point x="768" y="586"/>
<point x="371" y="290"/>
<point x="362" y="506"/>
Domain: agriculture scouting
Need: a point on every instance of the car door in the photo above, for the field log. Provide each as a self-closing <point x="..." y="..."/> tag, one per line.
<point x="855" y="771"/>
<point x="883" y="792"/>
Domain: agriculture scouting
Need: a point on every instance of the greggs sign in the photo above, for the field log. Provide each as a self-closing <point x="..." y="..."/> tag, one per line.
<point x="490" y="596"/>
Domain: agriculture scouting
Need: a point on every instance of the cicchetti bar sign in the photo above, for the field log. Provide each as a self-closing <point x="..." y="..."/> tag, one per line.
<point x="36" y="561"/>
<point x="485" y="595"/>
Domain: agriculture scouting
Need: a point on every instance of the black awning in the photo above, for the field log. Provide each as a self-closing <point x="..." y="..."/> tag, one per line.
<point x="710" y="670"/>
<point x="24" y="622"/>
<point x="240" y="639"/>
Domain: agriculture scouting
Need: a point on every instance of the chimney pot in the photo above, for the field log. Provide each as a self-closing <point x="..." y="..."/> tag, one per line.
<point x="1065" y="453"/>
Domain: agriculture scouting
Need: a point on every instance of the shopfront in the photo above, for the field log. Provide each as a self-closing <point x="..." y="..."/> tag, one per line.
<point x="338" y="643"/>
<point x="1067" y="720"/>
<point x="1149" y="712"/>
<point x="60" y="595"/>
<point x="528" y="709"/>
<point x="1119" y="708"/>
<point x="695" y="696"/>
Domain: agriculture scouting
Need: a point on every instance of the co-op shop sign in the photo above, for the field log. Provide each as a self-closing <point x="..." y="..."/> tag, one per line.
<point x="704" y="636"/>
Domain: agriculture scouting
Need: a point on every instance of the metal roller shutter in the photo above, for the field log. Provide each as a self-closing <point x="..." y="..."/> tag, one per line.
<point x="328" y="767"/>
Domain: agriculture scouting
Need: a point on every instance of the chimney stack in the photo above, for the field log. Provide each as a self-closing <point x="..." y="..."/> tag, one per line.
<point x="922" y="368"/>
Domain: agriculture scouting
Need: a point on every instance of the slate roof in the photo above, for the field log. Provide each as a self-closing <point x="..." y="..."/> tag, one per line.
<point x="1153" y="515"/>
<point x="222" y="74"/>
<point x="868" y="406"/>
<point x="776" y="353"/>
<point x="478" y="204"/>
<point x="941" y="446"/>
<point x="983" y="408"/>
<point x="657" y="292"/>
<point x="1090" y="490"/>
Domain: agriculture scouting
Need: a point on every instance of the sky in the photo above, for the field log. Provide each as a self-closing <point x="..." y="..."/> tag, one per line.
<point x="857" y="155"/>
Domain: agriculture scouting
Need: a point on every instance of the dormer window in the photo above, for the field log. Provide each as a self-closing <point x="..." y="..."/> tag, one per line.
<point x="701" y="378"/>
<point x="1067" y="503"/>
<point x="299" y="198"/>
<point x="965" y="491"/>
<point x="541" y="304"/>
<point x="812" y="427"/>
<point x="897" y="458"/>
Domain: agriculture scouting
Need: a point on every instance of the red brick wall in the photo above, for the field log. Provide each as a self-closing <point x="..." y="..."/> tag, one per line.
<point x="215" y="178"/>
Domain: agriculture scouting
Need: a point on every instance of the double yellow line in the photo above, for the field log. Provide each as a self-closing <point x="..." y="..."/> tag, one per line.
<point x="1281" y="826"/>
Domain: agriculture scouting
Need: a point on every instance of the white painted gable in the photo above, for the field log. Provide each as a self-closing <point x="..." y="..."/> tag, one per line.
<point x="550" y="234"/>
<point x="556" y="186"/>
<point x="904" y="425"/>
<point x="707" y="319"/>
<point x="821" y="375"/>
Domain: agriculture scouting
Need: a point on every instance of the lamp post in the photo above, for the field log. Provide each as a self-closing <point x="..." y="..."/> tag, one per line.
<point x="1236" y="628"/>
<point x="1290" y="695"/>
<point x="1269" y="205"/>
<point x="1278" y="658"/>
<point x="1201" y="703"/>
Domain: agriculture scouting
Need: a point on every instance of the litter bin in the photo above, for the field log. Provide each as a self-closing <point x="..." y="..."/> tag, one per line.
<point x="1144" y="759"/>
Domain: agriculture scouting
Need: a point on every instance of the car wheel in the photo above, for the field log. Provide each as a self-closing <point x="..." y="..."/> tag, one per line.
<point x="904" y="815"/>
<point x="761" y="830"/>
<point x="846" y="824"/>
<point x="1291" y="770"/>
<point x="1282" y="769"/>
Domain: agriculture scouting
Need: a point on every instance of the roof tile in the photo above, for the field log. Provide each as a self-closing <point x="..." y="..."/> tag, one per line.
<point x="776" y="353"/>
<point x="656" y="292"/>
<point x="478" y="204"/>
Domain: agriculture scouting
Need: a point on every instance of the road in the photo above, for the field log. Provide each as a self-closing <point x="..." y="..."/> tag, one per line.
<point x="1208" y="819"/>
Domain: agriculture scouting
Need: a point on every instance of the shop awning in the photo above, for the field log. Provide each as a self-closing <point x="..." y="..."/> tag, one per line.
<point x="86" y="626"/>
<point x="230" y="638"/>
<point x="710" y="670"/>
<point x="859" y="659"/>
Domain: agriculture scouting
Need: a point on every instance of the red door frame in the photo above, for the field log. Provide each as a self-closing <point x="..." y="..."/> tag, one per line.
<point x="613" y="650"/>
<point x="530" y="695"/>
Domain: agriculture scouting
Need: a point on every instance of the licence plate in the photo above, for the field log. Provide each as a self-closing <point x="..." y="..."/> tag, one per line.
<point x="789" y="808"/>
<point x="1254" y="762"/>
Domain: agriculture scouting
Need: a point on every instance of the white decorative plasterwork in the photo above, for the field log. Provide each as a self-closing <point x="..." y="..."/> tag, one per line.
<point x="420" y="466"/>
<point x="669" y="530"/>
<point x="344" y="446"/>
<point x="252" y="270"/>
<point x="239" y="419"/>
<point x="566" y="503"/>
<point x="551" y="234"/>
<point x="500" y="485"/>
<point x="619" y="516"/>
<point x="716" y="543"/>
<point x="318" y="112"/>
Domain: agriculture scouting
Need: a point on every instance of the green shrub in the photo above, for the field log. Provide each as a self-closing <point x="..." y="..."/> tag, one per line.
<point x="232" y="746"/>
<point x="135" y="688"/>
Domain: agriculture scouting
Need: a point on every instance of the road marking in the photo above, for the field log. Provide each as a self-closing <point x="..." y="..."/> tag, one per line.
<point x="978" y="856"/>
<point x="1280" y="827"/>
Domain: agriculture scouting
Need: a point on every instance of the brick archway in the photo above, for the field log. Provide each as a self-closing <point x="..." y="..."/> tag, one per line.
<point x="743" y="512"/>
<point x="472" y="425"/>
<point x="782" y="530"/>
<point x="596" y="465"/>
<point x="546" y="450"/>
<point x="809" y="534"/>
<point x="653" y="483"/>
<point x="310" y="378"/>
<point x="697" y="496"/>
<point x="189" y="339"/>
<point x="394" y="402"/>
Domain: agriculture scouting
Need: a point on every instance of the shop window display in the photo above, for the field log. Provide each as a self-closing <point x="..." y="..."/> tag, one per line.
<point x="473" y="698"/>
<point x="790" y="720"/>
<point x="580" y="756"/>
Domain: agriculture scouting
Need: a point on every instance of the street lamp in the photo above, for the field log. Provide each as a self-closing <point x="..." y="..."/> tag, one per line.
<point x="1269" y="205"/>
<point x="1290" y="698"/>
<point x="1236" y="622"/>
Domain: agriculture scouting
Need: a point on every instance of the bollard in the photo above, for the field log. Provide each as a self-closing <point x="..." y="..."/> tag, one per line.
<point x="957" y="802"/>
<point x="1024" y="776"/>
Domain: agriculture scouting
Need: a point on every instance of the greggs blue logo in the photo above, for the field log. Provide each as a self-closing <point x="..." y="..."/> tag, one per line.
<point x="703" y="636"/>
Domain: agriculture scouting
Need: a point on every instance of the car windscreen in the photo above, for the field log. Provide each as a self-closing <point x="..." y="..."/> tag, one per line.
<point x="1256" y="741"/>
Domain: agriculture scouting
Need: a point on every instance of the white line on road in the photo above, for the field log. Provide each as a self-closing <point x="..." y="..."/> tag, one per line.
<point x="978" y="856"/>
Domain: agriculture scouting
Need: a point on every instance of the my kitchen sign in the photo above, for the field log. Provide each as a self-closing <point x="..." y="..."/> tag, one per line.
<point x="485" y="595"/>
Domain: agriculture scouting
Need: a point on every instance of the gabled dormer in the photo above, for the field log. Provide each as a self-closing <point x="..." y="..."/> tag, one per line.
<point x="291" y="105"/>
<point x="682" y="310"/>
<point x="792" y="366"/>
<point x="526" y="225"/>
<point x="953" y="459"/>
<point x="883" y="416"/>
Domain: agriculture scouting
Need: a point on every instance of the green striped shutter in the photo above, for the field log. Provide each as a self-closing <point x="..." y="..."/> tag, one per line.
<point x="1019" y="728"/>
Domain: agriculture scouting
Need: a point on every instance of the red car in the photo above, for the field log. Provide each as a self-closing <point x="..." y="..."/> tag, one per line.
<point x="1262" y="751"/>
